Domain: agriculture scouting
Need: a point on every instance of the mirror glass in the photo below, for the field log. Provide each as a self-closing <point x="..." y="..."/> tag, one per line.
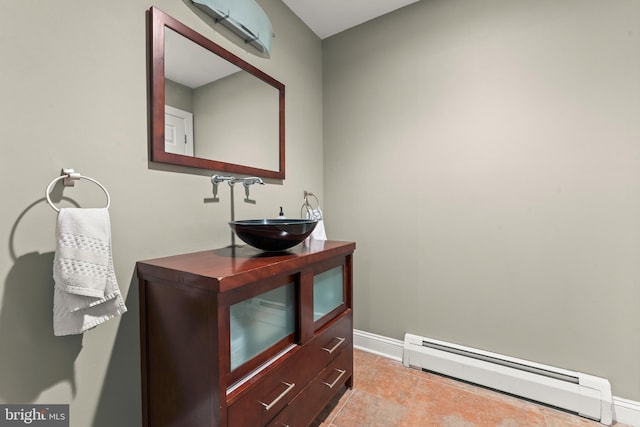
<point x="211" y="109"/>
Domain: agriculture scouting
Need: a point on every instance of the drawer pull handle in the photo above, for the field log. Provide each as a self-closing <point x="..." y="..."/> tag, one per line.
<point x="340" y="341"/>
<point x="268" y="406"/>
<point x="336" y="380"/>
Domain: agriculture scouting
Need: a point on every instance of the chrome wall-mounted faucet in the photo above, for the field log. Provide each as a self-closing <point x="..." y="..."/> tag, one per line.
<point x="232" y="180"/>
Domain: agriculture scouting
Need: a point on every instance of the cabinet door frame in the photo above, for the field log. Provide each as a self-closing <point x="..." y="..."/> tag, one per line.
<point x="227" y="299"/>
<point x="347" y="285"/>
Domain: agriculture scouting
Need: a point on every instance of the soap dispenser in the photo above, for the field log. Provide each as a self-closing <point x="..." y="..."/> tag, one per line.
<point x="281" y="214"/>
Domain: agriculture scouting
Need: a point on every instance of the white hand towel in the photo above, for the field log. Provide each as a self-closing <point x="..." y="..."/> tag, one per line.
<point x="318" y="233"/>
<point x="86" y="291"/>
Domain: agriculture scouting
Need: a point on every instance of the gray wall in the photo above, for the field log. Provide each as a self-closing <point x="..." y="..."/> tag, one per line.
<point x="74" y="94"/>
<point x="243" y="112"/>
<point x="486" y="158"/>
<point x="178" y="96"/>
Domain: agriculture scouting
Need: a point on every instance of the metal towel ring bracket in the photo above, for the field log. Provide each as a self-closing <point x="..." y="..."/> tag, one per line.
<point x="308" y="209"/>
<point x="70" y="176"/>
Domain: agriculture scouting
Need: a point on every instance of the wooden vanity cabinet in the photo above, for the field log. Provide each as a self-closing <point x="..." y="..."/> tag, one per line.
<point x="239" y="337"/>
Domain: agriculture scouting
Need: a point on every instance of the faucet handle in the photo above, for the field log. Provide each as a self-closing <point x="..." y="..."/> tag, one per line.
<point x="252" y="180"/>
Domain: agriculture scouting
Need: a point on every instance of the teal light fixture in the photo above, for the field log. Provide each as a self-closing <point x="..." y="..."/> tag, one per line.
<point x="245" y="18"/>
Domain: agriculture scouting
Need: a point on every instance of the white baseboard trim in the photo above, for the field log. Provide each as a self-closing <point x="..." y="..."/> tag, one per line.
<point x="379" y="345"/>
<point x="624" y="410"/>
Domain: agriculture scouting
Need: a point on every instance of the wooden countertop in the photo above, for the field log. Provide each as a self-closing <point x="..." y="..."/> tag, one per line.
<point x="223" y="269"/>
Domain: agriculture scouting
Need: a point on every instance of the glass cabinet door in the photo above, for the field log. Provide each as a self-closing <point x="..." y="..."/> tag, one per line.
<point x="258" y="323"/>
<point x="328" y="292"/>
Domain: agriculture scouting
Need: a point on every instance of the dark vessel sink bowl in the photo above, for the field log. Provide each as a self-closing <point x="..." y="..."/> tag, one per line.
<point x="273" y="234"/>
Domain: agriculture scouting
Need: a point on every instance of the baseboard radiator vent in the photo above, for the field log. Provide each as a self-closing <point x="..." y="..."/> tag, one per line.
<point x="575" y="392"/>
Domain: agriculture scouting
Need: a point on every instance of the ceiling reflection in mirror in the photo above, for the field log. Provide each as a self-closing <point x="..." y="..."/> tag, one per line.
<point x="218" y="111"/>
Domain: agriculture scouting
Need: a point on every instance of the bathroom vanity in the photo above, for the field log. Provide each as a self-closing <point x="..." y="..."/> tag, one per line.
<point x="240" y="337"/>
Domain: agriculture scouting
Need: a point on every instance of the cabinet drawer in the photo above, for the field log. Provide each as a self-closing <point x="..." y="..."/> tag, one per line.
<point x="264" y="399"/>
<point x="332" y="339"/>
<point x="309" y="404"/>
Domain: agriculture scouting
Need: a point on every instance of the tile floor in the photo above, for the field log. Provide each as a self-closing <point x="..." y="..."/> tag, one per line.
<point x="386" y="394"/>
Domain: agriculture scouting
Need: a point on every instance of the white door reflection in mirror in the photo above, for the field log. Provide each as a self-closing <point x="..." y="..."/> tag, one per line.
<point x="178" y="131"/>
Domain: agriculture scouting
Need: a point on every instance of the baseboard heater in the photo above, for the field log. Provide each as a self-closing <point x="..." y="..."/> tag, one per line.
<point x="583" y="394"/>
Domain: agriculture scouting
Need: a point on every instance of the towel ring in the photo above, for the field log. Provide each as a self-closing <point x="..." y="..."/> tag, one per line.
<point x="69" y="175"/>
<point x="306" y="206"/>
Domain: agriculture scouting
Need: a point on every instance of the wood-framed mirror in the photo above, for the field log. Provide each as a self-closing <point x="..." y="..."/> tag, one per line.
<point x="210" y="109"/>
